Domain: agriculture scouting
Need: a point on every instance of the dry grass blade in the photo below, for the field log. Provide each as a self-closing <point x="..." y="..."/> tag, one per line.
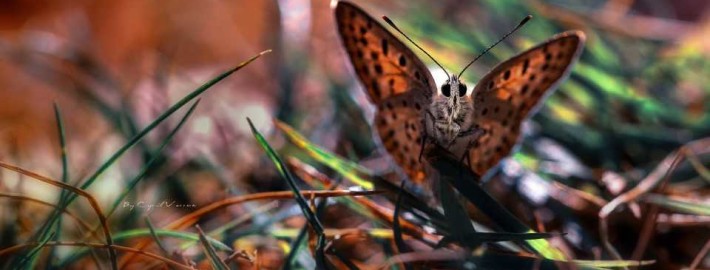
<point x="596" y="200"/>
<point x="660" y="174"/>
<point x="12" y="249"/>
<point x="193" y="217"/>
<point x="83" y="224"/>
<point x="699" y="258"/>
<point x="384" y="214"/>
<point x="432" y="255"/>
<point x="92" y="201"/>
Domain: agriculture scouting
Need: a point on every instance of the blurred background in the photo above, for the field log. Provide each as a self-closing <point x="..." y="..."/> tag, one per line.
<point x="640" y="91"/>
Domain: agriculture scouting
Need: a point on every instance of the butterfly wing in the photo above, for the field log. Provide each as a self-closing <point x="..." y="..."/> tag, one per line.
<point x="396" y="81"/>
<point x="383" y="63"/>
<point x="400" y="127"/>
<point x="512" y="90"/>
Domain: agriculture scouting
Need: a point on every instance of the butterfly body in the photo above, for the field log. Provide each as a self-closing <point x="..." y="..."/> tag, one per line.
<point x="449" y="116"/>
<point x="482" y="125"/>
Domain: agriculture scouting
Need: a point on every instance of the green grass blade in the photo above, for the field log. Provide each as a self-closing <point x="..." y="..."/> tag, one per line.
<point x="677" y="205"/>
<point x="194" y="94"/>
<point x="302" y="203"/>
<point x="215" y="260"/>
<point x="350" y="170"/>
<point x="32" y="255"/>
<point x="137" y="233"/>
<point x="467" y="185"/>
<point x="65" y="175"/>
<point x="295" y="247"/>
<point x="397" y="229"/>
<point x="456" y="216"/>
<point x="286" y="174"/>
<point x="156" y="155"/>
<point x="167" y="113"/>
<point x="138" y="137"/>
<point x="499" y="237"/>
<point x="233" y="224"/>
<point x="62" y="144"/>
<point x="156" y="237"/>
<point x="612" y="263"/>
<point x="491" y="260"/>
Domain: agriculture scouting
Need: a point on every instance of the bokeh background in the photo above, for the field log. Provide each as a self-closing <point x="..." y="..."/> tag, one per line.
<point x="640" y="91"/>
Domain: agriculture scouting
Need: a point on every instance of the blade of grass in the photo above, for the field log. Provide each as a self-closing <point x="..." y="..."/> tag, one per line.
<point x="155" y="236"/>
<point x="286" y="174"/>
<point x="138" y="137"/>
<point x="83" y="225"/>
<point x="62" y="143"/>
<point x="697" y="165"/>
<point x="465" y="182"/>
<point x="156" y="155"/>
<point x="138" y="233"/>
<point x="321" y="262"/>
<point x="491" y="260"/>
<point x="398" y="240"/>
<point x="295" y="246"/>
<point x="33" y="254"/>
<point x="146" y="167"/>
<point x="353" y="172"/>
<point x="612" y="263"/>
<point x="193" y="217"/>
<point x="499" y="237"/>
<point x="379" y="233"/>
<point x="314" y="178"/>
<point x="126" y="235"/>
<point x="8" y="250"/>
<point x="92" y="201"/>
<point x="678" y="205"/>
<point x="192" y="95"/>
<point x="456" y="215"/>
<point x="234" y="223"/>
<point x="45" y="229"/>
<point x="396" y="224"/>
<point x="65" y="179"/>
<point x="350" y="170"/>
<point x="215" y="260"/>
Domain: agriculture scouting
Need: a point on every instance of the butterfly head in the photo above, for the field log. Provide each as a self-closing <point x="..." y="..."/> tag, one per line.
<point x="453" y="88"/>
<point x="450" y="112"/>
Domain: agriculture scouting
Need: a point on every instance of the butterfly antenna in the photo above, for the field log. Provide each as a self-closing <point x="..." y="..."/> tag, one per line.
<point x="523" y="22"/>
<point x="415" y="44"/>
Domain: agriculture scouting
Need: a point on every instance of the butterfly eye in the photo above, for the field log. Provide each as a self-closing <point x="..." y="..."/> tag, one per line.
<point x="462" y="90"/>
<point x="446" y="90"/>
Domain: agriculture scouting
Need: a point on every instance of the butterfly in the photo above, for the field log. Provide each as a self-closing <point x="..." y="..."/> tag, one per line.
<point x="482" y="125"/>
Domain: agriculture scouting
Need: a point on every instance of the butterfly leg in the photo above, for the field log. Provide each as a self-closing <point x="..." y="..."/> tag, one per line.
<point x="422" y="145"/>
<point x="474" y="134"/>
<point x="425" y="135"/>
<point x="465" y="153"/>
